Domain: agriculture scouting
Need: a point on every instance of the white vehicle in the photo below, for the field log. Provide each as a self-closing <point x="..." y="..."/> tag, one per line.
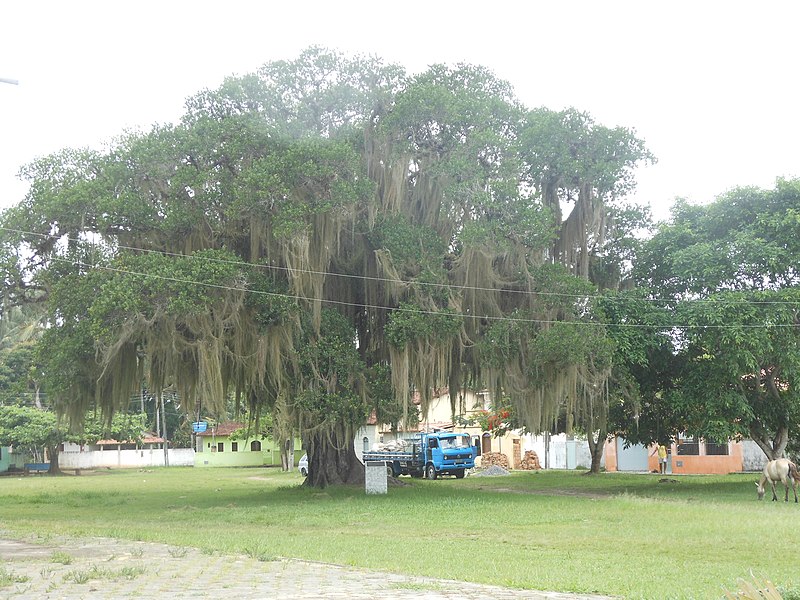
<point x="303" y="465"/>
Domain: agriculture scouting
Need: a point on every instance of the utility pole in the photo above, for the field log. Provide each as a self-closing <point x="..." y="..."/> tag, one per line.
<point x="164" y="429"/>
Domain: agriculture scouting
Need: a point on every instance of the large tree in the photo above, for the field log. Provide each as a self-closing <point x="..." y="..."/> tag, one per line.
<point x="324" y="236"/>
<point x="729" y="272"/>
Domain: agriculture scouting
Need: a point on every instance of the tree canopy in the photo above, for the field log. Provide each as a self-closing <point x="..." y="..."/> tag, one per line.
<point x="728" y="272"/>
<point x="325" y="236"/>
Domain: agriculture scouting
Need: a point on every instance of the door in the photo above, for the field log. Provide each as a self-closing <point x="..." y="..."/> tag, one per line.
<point x="632" y="458"/>
<point x="486" y="443"/>
<point x="572" y="454"/>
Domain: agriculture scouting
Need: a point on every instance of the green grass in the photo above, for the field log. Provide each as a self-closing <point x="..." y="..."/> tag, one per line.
<point x="8" y="578"/>
<point x="98" y="573"/>
<point x="61" y="557"/>
<point x="615" y="534"/>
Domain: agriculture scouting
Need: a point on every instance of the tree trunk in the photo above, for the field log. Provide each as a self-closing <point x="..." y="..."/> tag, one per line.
<point x="287" y="455"/>
<point x="596" y="448"/>
<point x="773" y="448"/>
<point x="332" y="460"/>
<point x="53" y="459"/>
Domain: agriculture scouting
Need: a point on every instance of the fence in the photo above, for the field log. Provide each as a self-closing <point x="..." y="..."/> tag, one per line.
<point x="146" y="457"/>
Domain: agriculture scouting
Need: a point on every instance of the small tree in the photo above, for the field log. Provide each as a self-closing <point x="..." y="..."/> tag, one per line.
<point x="35" y="431"/>
<point x="40" y="433"/>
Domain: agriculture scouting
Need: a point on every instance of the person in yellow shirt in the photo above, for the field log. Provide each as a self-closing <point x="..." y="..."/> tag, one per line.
<point x="662" y="459"/>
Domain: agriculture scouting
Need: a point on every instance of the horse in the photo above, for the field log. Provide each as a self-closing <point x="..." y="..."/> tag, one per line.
<point x="782" y="470"/>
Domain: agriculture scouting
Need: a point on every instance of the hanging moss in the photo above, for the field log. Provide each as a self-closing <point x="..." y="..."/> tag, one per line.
<point x="327" y="219"/>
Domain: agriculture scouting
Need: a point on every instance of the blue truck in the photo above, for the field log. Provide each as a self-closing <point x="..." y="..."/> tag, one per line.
<point x="427" y="454"/>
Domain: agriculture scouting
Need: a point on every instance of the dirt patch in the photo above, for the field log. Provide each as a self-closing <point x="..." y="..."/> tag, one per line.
<point x="548" y="492"/>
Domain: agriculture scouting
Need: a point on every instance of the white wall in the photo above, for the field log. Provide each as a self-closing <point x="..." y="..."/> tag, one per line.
<point x="557" y="453"/>
<point x="439" y="411"/>
<point x="367" y="431"/>
<point x="753" y="457"/>
<point x="178" y="457"/>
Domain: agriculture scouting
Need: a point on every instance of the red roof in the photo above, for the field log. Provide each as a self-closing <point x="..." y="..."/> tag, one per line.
<point x="148" y="437"/>
<point x="222" y="428"/>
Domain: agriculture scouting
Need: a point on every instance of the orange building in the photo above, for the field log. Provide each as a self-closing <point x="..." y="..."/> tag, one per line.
<point x="686" y="456"/>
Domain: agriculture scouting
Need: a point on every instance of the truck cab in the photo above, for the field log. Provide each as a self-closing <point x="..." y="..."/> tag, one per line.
<point x="448" y="453"/>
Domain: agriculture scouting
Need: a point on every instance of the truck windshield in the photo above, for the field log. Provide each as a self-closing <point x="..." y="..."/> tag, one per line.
<point x="460" y="441"/>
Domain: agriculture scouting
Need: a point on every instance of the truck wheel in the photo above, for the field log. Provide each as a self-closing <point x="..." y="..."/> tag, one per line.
<point x="460" y="474"/>
<point x="430" y="472"/>
<point x="390" y="471"/>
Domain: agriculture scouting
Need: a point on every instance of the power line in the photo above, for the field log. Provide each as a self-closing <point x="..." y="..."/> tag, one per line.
<point x="411" y="310"/>
<point x="309" y="271"/>
<point x="449" y="286"/>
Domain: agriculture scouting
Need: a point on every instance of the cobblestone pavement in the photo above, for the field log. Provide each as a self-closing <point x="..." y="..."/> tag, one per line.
<point x="100" y="568"/>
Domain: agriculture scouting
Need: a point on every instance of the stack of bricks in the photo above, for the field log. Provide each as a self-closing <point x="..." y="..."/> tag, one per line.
<point x="530" y="462"/>
<point x="490" y="459"/>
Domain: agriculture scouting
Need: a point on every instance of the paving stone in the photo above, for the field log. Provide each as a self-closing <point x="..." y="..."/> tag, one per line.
<point x="101" y="569"/>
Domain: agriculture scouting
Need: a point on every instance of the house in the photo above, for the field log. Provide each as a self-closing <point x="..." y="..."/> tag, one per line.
<point x="368" y="435"/>
<point x="149" y="441"/>
<point x="215" y="447"/>
<point x="10" y="460"/>
<point x="470" y="404"/>
<point x="687" y="455"/>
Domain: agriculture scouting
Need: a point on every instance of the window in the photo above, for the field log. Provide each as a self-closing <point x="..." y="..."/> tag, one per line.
<point x="688" y="446"/>
<point x="255" y="446"/>
<point x="234" y="446"/>
<point x="456" y="441"/>
<point x="716" y="449"/>
<point x="220" y="446"/>
<point x="365" y="442"/>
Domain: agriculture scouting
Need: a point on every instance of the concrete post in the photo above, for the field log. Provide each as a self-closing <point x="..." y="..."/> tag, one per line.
<point x="375" y="478"/>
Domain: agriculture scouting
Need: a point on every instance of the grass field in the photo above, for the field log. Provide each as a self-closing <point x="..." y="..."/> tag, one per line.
<point x="617" y="534"/>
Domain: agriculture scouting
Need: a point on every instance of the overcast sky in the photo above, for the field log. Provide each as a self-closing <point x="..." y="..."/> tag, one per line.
<point x="711" y="86"/>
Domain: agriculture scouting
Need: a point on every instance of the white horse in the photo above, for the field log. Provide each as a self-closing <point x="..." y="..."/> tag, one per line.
<point x="782" y="470"/>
